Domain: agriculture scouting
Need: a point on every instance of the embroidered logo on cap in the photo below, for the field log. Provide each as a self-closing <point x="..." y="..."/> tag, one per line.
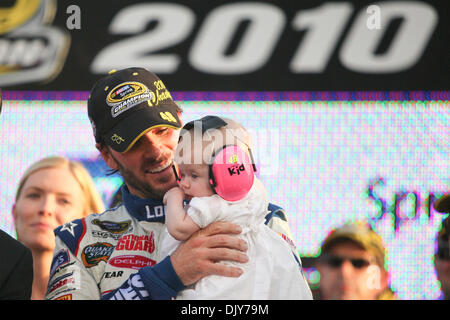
<point x="127" y="95"/>
<point x="117" y="139"/>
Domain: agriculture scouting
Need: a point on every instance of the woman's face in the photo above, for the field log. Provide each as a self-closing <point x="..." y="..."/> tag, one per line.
<point x="49" y="198"/>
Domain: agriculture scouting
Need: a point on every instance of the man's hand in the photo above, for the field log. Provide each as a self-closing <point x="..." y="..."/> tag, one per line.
<point x="196" y="258"/>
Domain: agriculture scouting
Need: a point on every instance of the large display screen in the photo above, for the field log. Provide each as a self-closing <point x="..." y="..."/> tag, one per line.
<point x="326" y="161"/>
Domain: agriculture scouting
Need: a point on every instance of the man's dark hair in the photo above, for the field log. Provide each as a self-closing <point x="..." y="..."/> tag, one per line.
<point x="110" y="171"/>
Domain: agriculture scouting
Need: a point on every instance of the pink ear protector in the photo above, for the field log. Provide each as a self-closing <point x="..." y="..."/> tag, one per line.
<point x="232" y="170"/>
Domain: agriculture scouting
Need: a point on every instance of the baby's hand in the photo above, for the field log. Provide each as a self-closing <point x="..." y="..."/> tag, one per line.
<point x="174" y="194"/>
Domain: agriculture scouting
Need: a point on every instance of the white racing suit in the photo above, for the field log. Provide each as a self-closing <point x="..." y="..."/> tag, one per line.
<point x="114" y="255"/>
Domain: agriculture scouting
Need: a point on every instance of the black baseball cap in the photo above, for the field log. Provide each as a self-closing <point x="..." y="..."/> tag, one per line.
<point x="126" y="104"/>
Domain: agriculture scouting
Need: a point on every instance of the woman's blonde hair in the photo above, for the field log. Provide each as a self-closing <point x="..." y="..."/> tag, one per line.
<point x="92" y="200"/>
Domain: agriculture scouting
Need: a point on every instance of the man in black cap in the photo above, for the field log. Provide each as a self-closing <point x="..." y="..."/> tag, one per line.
<point x="442" y="256"/>
<point x="114" y="255"/>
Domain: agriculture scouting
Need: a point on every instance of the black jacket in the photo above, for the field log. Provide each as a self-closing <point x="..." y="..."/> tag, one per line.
<point x="16" y="269"/>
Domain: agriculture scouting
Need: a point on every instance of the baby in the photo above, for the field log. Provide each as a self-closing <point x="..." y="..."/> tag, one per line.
<point x="216" y="174"/>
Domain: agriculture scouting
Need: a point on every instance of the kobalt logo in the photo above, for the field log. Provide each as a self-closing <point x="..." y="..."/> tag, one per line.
<point x="324" y="26"/>
<point x="30" y="49"/>
<point x="61" y="283"/>
<point x="66" y="282"/>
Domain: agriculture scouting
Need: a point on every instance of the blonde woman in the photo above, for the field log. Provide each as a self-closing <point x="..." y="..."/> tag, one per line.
<point x="51" y="192"/>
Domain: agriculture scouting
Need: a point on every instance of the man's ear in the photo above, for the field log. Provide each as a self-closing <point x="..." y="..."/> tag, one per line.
<point x="107" y="157"/>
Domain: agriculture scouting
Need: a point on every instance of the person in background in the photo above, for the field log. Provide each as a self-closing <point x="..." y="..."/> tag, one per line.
<point x="352" y="265"/>
<point x="16" y="269"/>
<point x="442" y="255"/>
<point x="51" y="192"/>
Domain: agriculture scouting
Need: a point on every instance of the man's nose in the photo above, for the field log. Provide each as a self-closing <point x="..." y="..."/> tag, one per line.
<point x="151" y="145"/>
<point x="346" y="269"/>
